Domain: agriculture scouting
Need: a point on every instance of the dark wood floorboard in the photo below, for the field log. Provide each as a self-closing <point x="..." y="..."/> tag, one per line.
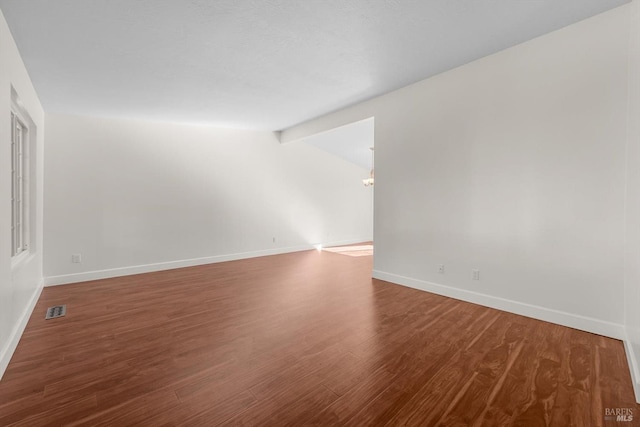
<point x="301" y="339"/>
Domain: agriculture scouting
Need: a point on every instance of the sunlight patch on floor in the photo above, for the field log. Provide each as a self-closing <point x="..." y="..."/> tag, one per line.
<point x="360" y="250"/>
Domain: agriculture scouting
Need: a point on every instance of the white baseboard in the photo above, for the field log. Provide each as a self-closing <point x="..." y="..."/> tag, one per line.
<point x="575" y="321"/>
<point x="633" y="368"/>
<point x="18" y="329"/>
<point x="149" y="268"/>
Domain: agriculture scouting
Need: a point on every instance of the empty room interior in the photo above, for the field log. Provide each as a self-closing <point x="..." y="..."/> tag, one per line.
<point x="367" y="213"/>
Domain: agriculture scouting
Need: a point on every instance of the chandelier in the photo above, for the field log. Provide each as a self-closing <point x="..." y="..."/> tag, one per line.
<point x="369" y="181"/>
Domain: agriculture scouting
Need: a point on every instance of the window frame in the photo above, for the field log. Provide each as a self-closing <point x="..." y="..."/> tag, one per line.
<point x="19" y="186"/>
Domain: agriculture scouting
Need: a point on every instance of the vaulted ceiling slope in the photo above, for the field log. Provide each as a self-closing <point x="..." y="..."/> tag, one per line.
<point x="259" y="64"/>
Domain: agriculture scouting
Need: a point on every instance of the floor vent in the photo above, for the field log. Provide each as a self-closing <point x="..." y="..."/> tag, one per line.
<point x="56" y="311"/>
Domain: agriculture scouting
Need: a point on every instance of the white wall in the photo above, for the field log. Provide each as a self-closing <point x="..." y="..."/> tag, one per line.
<point x="632" y="211"/>
<point x="135" y="196"/>
<point x="20" y="285"/>
<point x="515" y="165"/>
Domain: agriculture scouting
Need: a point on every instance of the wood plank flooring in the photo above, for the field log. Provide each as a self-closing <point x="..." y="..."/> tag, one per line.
<point x="301" y="339"/>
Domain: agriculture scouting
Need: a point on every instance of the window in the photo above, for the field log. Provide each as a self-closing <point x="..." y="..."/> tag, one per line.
<point x="19" y="185"/>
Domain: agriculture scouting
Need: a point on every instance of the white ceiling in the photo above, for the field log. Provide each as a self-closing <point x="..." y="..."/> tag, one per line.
<point x="259" y="64"/>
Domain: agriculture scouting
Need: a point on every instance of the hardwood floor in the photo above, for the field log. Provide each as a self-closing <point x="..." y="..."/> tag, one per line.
<point x="300" y="339"/>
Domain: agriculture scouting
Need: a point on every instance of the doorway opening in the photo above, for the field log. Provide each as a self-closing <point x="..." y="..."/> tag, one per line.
<point x="353" y="143"/>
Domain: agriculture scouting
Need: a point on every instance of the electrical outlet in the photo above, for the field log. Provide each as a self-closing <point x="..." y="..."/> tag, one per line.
<point x="76" y="258"/>
<point x="441" y="268"/>
<point x="475" y="274"/>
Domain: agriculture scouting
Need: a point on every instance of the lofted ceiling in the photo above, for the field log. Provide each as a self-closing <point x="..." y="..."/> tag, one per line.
<point x="352" y="142"/>
<point x="259" y="64"/>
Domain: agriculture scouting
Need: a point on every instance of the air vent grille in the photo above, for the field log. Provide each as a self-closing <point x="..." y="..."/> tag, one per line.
<point x="56" y="311"/>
